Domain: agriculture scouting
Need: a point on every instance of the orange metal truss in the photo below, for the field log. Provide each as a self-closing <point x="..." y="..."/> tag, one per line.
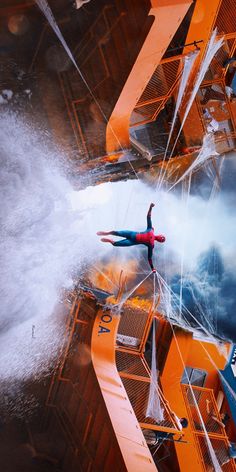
<point x="160" y="86"/>
<point x="206" y="403"/>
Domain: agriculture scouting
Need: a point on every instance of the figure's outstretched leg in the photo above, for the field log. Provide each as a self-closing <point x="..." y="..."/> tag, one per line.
<point x="131" y="235"/>
<point x="127" y="234"/>
<point x="106" y="240"/>
<point x="105" y="233"/>
<point x="122" y="243"/>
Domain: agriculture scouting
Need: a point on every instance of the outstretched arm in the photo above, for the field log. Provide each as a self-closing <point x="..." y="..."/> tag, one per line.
<point x="149" y="219"/>
<point x="150" y="258"/>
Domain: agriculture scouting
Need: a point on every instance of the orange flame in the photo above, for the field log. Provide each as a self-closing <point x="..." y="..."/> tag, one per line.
<point x="107" y="277"/>
<point x="141" y="303"/>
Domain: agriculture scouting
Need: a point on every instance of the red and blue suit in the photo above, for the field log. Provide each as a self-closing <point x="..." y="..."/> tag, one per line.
<point x="147" y="238"/>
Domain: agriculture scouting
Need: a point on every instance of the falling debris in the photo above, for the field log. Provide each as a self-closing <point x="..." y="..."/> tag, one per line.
<point x="80" y="3"/>
<point x="28" y="92"/>
<point x="212" y="124"/>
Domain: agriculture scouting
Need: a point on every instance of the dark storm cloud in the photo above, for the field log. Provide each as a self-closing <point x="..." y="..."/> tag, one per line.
<point x="209" y="291"/>
<point x="209" y="294"/>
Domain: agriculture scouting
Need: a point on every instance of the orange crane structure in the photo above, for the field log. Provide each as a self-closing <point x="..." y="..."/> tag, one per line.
<point x="98" y="397"/>
<point x="130" y="53"/>
<point x="139" y="51"/>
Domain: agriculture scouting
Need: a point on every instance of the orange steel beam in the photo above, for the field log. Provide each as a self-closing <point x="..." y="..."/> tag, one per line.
<point x="185" y="351"/>
<point x="168" y="15"/>
<point x="129" y="350"/>
<point x="211" y="435"/>
<point x="188" y="457"/>
<point x="201" y="25"/>
<point x="163" y="429"/>
<point x="133" y="447"/>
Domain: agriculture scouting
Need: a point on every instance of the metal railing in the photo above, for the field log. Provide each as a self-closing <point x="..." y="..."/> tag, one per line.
<point x="133" y="330"/>
<point x="134" y="324"/>
<point x="226" y="20"/>
<point x="162" y="85"/>
<point x="202" y="409"/>
<point x="98" y="70"/>
<point x="138" y="389"/>
<point x="158" y="90"/>
<point x="129" y="363"/>
<point x="203" y="400"/>
<point x="221" y="449"/>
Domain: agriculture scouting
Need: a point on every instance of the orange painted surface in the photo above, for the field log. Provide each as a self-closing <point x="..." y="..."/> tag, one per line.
<point x="155" y="45"/>
<point x="200" y="356"/>
<point x="129" y="435"/>
<point x="188" y="455"/>
<point x="202" y="22"/>
<point x="185" y="351"/>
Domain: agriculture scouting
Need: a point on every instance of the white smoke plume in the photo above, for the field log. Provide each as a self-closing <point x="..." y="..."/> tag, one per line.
<point x="38" y="249"/>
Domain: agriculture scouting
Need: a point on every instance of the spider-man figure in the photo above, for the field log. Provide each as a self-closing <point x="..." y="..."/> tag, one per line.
<point x="132" y="238"/>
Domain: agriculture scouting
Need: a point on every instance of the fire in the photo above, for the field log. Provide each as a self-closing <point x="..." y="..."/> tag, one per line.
<point x="110" y="276"/>
<point x="141" y="303"/>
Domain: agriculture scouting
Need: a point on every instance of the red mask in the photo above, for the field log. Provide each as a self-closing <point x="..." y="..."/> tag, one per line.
<point x="160" y="238"/>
